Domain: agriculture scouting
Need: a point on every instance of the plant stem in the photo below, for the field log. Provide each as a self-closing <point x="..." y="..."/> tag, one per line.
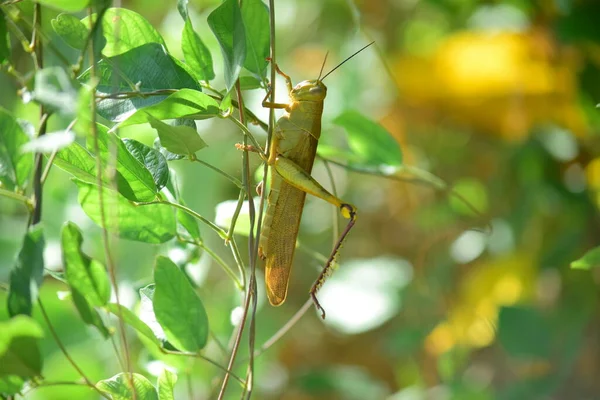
<point x="188" y="210"/>
<point x="99" y="182"/>
<point x="62" y="348"/>
<point x="232" y="179"/>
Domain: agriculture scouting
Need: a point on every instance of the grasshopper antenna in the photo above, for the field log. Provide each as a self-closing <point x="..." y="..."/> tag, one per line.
<point x="322" y="67"/>
<point x="342" y="63"/>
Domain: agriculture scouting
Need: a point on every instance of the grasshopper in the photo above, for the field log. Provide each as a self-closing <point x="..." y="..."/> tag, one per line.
<point x="292" y="151"/>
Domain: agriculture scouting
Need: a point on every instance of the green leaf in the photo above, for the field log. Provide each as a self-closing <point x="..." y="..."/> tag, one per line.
<point x="19" y="352"/>
<point x="178" y="308"/>
<point x="255" y="15"/>
<point x="196" y="54"/>
<point x="11" y="385"/>
<point x="369" y="140"/>
<point x="185" y="103"/>
<point x="590" y="260"/>
<point x="76" y="160"/>
<point x="249" y="83"/>
<point x="66" y="5"/>
<point x="182" y="7"/>
<point x="187" y="225"/>
<point x="124" y="30"/>
<point x="132" y="320"/>
<point x="151" y="159"/>
<point x="27" y="274"/>
<point x="137" y="183"/>
<point x="85" y="96"/>
<point x="133" y="180"/>
<point x="166" y="153"/>
<point x="146" y="312"/>
<point x="53" y="89"/>
<point x="227" y="25"/>
<point x="84" y="274"/>
<point x="71" y="30"/>
<point x="166" y="385"/>
<point x="86" y="277"/>
<point x="524" y="332"/>
<point x="4" y="39"/>
<point x="225" y="105"/>
<point x="119" y="387"/>
<point x="180" y="139"/>
<point x="154" y="223"/>
<point x="15" y="166"/>
<point x="145" y="69"/>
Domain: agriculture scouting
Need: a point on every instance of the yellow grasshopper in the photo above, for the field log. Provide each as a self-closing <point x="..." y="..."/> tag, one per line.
<point x="291" y="155"/>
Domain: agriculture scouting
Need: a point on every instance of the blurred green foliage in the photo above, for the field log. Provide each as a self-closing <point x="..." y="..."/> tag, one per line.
<point x="432" y="300"/>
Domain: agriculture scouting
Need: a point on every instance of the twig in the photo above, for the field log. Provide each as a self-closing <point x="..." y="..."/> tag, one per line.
<point x="232" y="179"/>
<point x="16" y="196"/>
<point x="202" y="357"/>
<point x="105" y="237"/>
<point x="285" y="328"/>
<point x="62" y="348"/>
<point x="39" y="166"/>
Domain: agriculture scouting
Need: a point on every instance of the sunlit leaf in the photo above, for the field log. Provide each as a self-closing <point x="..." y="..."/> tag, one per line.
<point x="182" y="7"/>
<point x="147" y="68"/>
<point x="50" y="142"/>
<point x="179" y="139"/>
<point x="590" y="260"/>
<point x="53" y="89"/>
<point x="185" y="103"/>
<point x="119" y="387"/>
<point x="15" y="166"/>
<point x="76" y="160"/>
<point x="152" y="159"/>
<point x="27" y="275"/>
<point x="146" y="312"/>
<point x="196" y="54"/>
<point x="124" y="30"/>
<point x="227" y="25"/>
<point x="19" y="352"/>
<point x="71" y="30"/>
<point x="178" y="308"/>
<point x="154" y="223"/>
<point x="255" y="15"/>
<point x="166" y="385"/>
<point x="369" y="140"/>
<point x="133" y="320"/>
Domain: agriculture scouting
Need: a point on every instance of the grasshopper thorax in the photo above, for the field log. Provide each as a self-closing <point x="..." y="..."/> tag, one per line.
<point x="313" y="90"/>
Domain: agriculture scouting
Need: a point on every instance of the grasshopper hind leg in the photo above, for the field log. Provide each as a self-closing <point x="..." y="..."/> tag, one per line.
<point x="348" y="211"/>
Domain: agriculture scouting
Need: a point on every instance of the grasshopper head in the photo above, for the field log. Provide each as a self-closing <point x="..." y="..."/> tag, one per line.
<point x="313" y="90"/>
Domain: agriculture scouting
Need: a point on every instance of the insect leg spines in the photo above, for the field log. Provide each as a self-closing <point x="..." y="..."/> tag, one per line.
<point x="350" y="212"/>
